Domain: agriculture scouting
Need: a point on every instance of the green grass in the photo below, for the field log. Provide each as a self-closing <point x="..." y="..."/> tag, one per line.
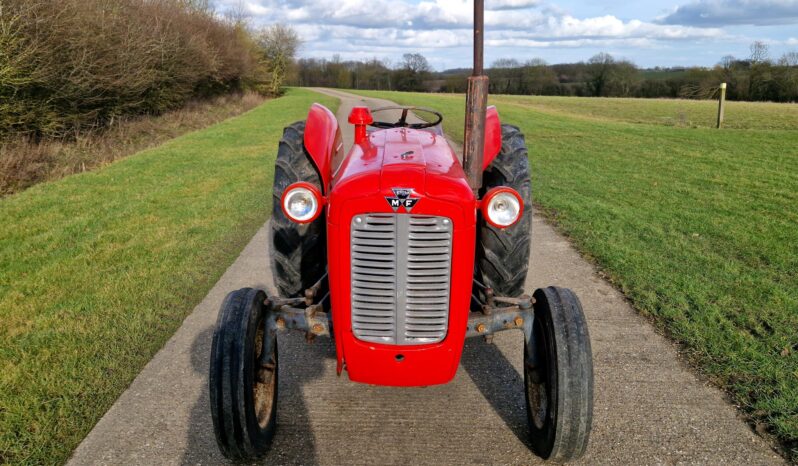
<point x="668" y="112"/>
<point x="98" y="270"/>
<point x="698" y="227"/>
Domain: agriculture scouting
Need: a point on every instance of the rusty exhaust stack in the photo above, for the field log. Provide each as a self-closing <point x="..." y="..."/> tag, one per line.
<point x="476" y="106"/>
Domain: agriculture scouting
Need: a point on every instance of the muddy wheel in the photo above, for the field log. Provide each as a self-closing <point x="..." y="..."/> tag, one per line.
<point x="558" y="376"/>
<point x="503" y="254"/>
<point x="298" y="254"/>
<point x="243" y="377"/>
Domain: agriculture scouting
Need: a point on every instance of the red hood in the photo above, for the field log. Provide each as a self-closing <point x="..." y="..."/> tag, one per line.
<point x="403" y="158"/>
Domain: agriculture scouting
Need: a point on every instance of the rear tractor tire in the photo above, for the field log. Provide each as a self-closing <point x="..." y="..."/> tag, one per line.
<point x="298" y="252"/>
<point x="503" y="254"/>
<point x="243" y="377"/>
<point x="558" y="376"/>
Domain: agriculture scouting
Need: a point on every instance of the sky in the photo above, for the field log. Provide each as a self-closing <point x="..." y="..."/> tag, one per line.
<point x="649" y="33"/>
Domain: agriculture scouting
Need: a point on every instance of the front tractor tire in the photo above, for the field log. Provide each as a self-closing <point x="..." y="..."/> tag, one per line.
<point x="503" y="254"/>
<point x="558" y="376"/>
<point x="298" y="252"/>
<point x="243" y="377"/>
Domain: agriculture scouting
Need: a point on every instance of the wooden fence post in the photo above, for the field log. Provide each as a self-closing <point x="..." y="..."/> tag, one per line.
<point x="721" y="104"/>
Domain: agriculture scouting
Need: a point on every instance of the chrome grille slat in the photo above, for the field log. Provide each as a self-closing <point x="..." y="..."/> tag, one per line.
<point x="401" y="266"/>
<point x="368" y="284"/>
<point x="374" y="279"/>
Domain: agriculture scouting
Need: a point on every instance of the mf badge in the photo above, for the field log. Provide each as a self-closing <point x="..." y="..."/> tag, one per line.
<point x="401" y="198"/>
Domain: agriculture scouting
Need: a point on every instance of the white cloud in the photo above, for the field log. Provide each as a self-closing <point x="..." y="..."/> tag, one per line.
<point x="382" y="28"/>
<point x="712" y="13"/>
<point x="609" y="27"/>
<point x="457" y="14"/>
<point x="256" y="9"/>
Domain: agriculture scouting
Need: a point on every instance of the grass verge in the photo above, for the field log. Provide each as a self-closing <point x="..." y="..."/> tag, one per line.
<point x="698" y="227"/>
<point x="24" y="163"/>
<point x="99" y="269"/>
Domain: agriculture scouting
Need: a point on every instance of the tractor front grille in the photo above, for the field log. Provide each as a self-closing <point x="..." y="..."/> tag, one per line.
<point x="401" y="266"/>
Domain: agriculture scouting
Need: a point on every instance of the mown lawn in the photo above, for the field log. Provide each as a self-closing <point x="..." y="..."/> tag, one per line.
<point x="98" y="270"/>
<point x="667" y="112"/>
<point x="698" y="227"/>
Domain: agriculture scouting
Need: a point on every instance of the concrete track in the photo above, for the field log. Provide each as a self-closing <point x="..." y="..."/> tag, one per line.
<point x="649" y="407"/>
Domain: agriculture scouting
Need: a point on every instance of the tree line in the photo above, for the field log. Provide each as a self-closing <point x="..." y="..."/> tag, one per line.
<point x="68" y="66"/>
<point x="757" y="77"/>
<point x="412" y="73"/>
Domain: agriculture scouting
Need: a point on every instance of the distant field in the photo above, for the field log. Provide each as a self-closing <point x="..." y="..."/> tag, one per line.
<point x="98" y="270"/>
<point x="668" y="112"/>
<point x="698" y="227"/>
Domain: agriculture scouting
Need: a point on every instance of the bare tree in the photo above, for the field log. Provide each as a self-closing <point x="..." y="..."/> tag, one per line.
<point x="505" y="63"/>
<point x="759" y="52"/>
<point x="506" y="76"/>
<point x="727" y="62"/>
<point x="238" y="14"/>
<point x="202" y="6"/>
<point x="789" y="59"/>
<point x="787" y="77"/>
<point x="760" y="81"/>
<point x="624" y="78"/>
<point x="278" y="45"/>
<point x="599" y="68"/>
<point x="535" y="62"/>
<point x="416" y="63"/>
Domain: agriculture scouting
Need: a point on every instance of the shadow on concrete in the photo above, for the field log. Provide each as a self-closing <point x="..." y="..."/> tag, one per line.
<point x="499" y="382"/>
<point x="294" y="443"/>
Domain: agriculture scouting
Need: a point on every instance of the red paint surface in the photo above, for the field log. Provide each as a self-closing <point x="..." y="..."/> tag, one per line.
<point x="493" y="136"/>
<point x="360" y="117"/>
<point x="423" y="161"/>
<point x="322" y="141"/>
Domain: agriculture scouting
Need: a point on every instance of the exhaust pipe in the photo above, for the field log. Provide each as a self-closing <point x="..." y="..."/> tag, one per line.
<point x="476" y="106"/>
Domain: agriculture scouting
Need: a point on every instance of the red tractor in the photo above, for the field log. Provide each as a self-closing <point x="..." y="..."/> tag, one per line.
<point x="400" y="254"/>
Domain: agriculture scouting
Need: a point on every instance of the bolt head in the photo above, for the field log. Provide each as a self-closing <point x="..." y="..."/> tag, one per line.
<point x="481" y="328"/>
<point x="317" y="328"/>
<point x="518" y="321"/>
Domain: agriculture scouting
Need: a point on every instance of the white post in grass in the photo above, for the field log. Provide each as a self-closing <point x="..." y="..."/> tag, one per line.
<point x="721" y="104"/>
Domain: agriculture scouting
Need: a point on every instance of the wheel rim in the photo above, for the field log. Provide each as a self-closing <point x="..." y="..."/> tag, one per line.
<point x="538" y="404"/>
<point x="537" y="392"/>
<point x="265" y="381"/>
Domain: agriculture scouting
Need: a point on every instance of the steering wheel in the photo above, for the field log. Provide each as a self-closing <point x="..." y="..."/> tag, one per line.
<point x="402" y="123"/>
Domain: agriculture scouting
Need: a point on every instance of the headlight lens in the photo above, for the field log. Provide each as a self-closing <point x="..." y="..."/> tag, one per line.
<point x="502" y="207"/>
<point x="301" y="204"/>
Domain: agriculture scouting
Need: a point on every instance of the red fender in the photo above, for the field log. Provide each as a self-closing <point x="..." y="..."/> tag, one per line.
<point x="493" y="137"/>
<point x="322" y="141"/>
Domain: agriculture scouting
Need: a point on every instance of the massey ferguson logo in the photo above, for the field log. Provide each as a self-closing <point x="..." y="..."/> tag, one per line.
<point x="402" y="199"/>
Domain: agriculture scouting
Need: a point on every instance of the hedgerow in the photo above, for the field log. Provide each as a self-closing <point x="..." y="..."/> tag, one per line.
<point x="71" y="65"/>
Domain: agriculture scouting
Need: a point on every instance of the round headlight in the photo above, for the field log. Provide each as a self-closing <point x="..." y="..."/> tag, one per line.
<point x="502" y="207"/>
<point x="301" y="202"/>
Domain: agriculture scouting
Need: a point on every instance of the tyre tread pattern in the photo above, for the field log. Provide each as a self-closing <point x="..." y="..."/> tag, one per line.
<point x="565" y="322"/>
<point x="238" y="435"/>
<point x="503" y="254"/>
<point x="298" y="252"/>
